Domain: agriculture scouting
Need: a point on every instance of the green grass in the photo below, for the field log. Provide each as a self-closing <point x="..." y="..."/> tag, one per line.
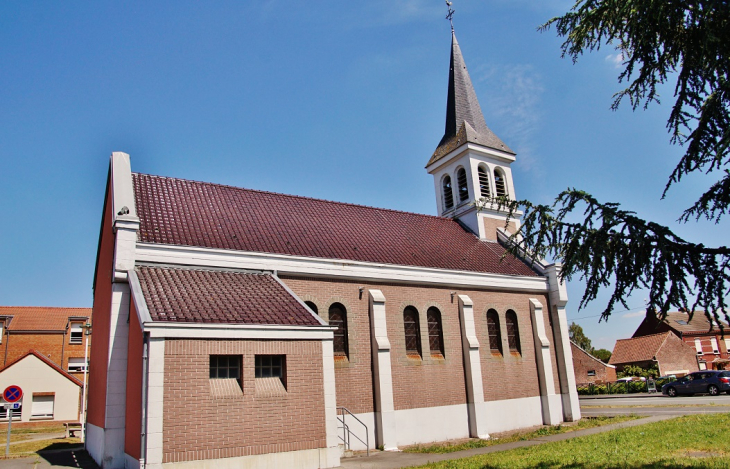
<point x="694" y="441"/>
<point x="450" y="447"/>
<point x="22" y="450"/>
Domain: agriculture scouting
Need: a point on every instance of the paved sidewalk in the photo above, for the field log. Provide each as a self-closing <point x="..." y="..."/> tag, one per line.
<point x="394" y="460"/>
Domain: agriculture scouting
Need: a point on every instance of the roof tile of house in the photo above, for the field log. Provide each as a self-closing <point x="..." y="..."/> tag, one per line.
<point x="39" y="318"/>
<point x="214" y="297"/>
<point x="637" y="349"/>
<point x="681" y="322"/>
<point x="188" y="213"/>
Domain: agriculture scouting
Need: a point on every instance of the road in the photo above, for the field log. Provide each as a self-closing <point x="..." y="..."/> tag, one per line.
<point x="654" y="405"/>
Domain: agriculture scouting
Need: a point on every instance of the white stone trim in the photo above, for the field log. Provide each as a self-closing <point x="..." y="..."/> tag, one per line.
<point x="121" y="185"/>
<point x="485" y="154"/>
<point x="140" y="305"/>
<point x="94" y="442"/>
<point x="155" y="401"/>
<point x="303" y="459"/>
<point x="513" y="414"/>
<point x="550" y="414"/>
<point x="299" y="300"/>
<point x="237" y="331"/>
<point x="386" y="430"/>
<point x="477" y="417"/>
<point x="329" y="268"/>
<point x="330" y="403"/>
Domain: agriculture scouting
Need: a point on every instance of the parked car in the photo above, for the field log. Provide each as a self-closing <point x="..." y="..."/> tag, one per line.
<point x="711" y="382"/>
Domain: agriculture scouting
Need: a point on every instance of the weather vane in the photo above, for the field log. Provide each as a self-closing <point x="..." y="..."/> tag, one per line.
<point x="450" y="15"/>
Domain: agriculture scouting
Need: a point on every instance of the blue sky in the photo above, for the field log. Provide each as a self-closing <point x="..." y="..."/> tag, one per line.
<point x="336" y="100"/>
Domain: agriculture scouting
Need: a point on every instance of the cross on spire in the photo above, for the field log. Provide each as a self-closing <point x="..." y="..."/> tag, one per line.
<point x="450" y="15"/>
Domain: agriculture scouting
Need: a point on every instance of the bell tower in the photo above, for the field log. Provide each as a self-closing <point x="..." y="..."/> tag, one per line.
<point x="471" y="165"/>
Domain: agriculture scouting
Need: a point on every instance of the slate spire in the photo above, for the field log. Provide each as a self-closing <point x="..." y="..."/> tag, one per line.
<point x="464" y="118"/>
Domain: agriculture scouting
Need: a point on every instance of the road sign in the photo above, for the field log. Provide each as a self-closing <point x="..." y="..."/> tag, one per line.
<point x="12" y="405"/>
<point x="12" y="393"/>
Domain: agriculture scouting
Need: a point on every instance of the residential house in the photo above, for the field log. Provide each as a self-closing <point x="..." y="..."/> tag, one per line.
<point x="710" y="342"/>
<point x="589" y="369"/>
<point x="665" y="350"/>
<point x="238" y="327"/>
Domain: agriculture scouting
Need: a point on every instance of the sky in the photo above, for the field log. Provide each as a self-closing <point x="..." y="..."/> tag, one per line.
<point x="336" y="100"/>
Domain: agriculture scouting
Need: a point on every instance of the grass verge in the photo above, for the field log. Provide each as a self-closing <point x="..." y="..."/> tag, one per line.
<point x="22" y="450"/>
<point x="693" y="441"/>
<point x="450" y="447"/>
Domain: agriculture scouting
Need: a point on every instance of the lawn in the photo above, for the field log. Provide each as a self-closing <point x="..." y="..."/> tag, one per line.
<point x="450" y="447"/>
<point x="28" y="448"/>
<point x="698" y="441"/>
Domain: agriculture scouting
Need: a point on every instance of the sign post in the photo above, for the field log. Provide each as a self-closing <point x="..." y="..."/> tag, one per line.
<point x="11" y="395"/>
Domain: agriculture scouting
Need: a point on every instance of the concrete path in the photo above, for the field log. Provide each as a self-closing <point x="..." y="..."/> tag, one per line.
<point x="393" y="460"/>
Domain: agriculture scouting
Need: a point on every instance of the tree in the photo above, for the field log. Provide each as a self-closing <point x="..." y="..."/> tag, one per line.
<point x="611" y="247"/>
<point x="602" y="354"/>
<point x="635" y="370"/>
<point x="576" y="334"/>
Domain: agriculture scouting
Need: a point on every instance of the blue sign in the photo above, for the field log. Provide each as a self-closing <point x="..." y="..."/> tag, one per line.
<point x="12" y="393"/>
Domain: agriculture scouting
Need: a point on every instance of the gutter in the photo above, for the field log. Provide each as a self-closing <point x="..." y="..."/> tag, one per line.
<point x="145" y="369"/>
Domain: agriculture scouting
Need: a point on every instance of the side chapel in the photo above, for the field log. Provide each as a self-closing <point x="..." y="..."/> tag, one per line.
<point x="230" y="333"/>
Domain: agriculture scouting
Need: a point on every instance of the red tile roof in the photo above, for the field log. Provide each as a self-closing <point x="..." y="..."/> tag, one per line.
<point x="638" y="349"/>
<point x="48" y="362"/>
<point x="39" y="318"/>
<point x="188" y="213"/>
<point x="214" y="296"/>
<point x="699" y="323"/>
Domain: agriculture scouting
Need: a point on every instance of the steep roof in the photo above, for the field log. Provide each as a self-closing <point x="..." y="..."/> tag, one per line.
<point x="187" y="213"/>
<point x="579" y="349"/>
<point x="40" y="318"/>
<point x="48" y="362"/>
<point x="637" y="349"/>
<point x="215" y="297"/>
<point x="464" y="119"/>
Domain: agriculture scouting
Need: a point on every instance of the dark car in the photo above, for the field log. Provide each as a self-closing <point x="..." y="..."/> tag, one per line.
<point x="711" y="382"/>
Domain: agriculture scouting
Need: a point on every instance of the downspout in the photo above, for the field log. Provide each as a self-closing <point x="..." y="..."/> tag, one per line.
<point x="145" y="368"/>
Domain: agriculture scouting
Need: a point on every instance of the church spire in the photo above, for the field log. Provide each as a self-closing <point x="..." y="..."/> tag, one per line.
<point x="464" y="118"/>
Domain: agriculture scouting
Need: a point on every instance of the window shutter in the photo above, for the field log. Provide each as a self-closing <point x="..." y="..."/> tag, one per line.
<point x="715" y="348"/>
<point x="42" y="406"/>
<point x="698" y="346"/>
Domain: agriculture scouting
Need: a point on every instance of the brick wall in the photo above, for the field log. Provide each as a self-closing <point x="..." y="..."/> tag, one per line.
<point x="674" y="355"/>
<point x="706" y="340"/>
<point x="427" y="382"/>
<point x="55" y="346"/>
<point x="584" y="362"/>
<point x="198" y="426"/>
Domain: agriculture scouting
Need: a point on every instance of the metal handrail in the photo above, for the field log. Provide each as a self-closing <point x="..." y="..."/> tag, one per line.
<point x="346" y="433"/>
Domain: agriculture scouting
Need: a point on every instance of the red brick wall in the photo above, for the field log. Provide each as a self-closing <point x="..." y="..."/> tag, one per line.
<point x="133" y="417"/>
<point x="583" y="362"/>
<point x="55" y="346"/>
<point x="706" y="340"/>
<point x="427" y="382"/>
<point x="676" y="355"/>
<point x="101" y="313"/>
<point x="198" y="426"/>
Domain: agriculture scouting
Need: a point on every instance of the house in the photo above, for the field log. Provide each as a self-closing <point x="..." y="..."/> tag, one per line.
<point x="665" y="350"/>
<point x="707" y="339"/>
<point x="56" y="333"/>
<point x="50" y="394"/>
<point x="238" y="327"/>
<point x="589" y="369"/>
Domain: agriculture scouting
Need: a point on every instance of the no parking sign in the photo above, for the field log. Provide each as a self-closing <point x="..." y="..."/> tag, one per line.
<point x="12" y="393"/>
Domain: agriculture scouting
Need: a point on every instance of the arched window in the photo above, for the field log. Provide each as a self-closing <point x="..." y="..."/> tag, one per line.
<point x="338" y="318"/>
<point x="448" y="196"/>
<point x="312" y="306"/>
<point x="463" y="187"/>
<point x="412" y="330"/>
<point x="500" y="183"/>
<point x="484" y="188"/>
<point x="513" y="332"/>
<point x="495" y="334"/>
<point x="435" y="332"/>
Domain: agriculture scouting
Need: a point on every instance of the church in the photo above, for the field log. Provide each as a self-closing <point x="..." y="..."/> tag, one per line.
<point x="242" y="328"/>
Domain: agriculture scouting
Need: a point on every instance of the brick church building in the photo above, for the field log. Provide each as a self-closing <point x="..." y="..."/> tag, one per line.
<point x="239" y="327"/>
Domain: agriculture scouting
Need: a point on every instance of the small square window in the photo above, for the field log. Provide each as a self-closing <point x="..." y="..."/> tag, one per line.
<point x="225" y="367"/>
<point x="270" y="374"/>
<point x="591" y="372"/>
<point x="77" y="365"/>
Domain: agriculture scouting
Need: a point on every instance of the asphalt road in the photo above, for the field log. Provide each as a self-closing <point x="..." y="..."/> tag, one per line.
<point x="654" y="405"/>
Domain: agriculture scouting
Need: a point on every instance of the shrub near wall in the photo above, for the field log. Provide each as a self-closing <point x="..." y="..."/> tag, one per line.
<point x="632" y="387"/>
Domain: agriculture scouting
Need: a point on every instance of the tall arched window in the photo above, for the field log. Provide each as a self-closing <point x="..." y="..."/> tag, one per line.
<point x="412" y="331"/>
<point x="312" y="306"/>
<point x="484" y="188"/>
<point x="463" y="186"/>
<point x="448" y="195"/>
<point x="338" y="318"/>
<point x="513" y="332"/>
<point x="500" y="183"/>
<point x="495" y="334"/>
<point x="435" y="332"/>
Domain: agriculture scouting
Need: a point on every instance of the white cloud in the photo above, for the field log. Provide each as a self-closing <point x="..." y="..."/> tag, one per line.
<point x="513" y="100"/>
<point x="616" y="60"/>
<point x="637" y="314"/>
